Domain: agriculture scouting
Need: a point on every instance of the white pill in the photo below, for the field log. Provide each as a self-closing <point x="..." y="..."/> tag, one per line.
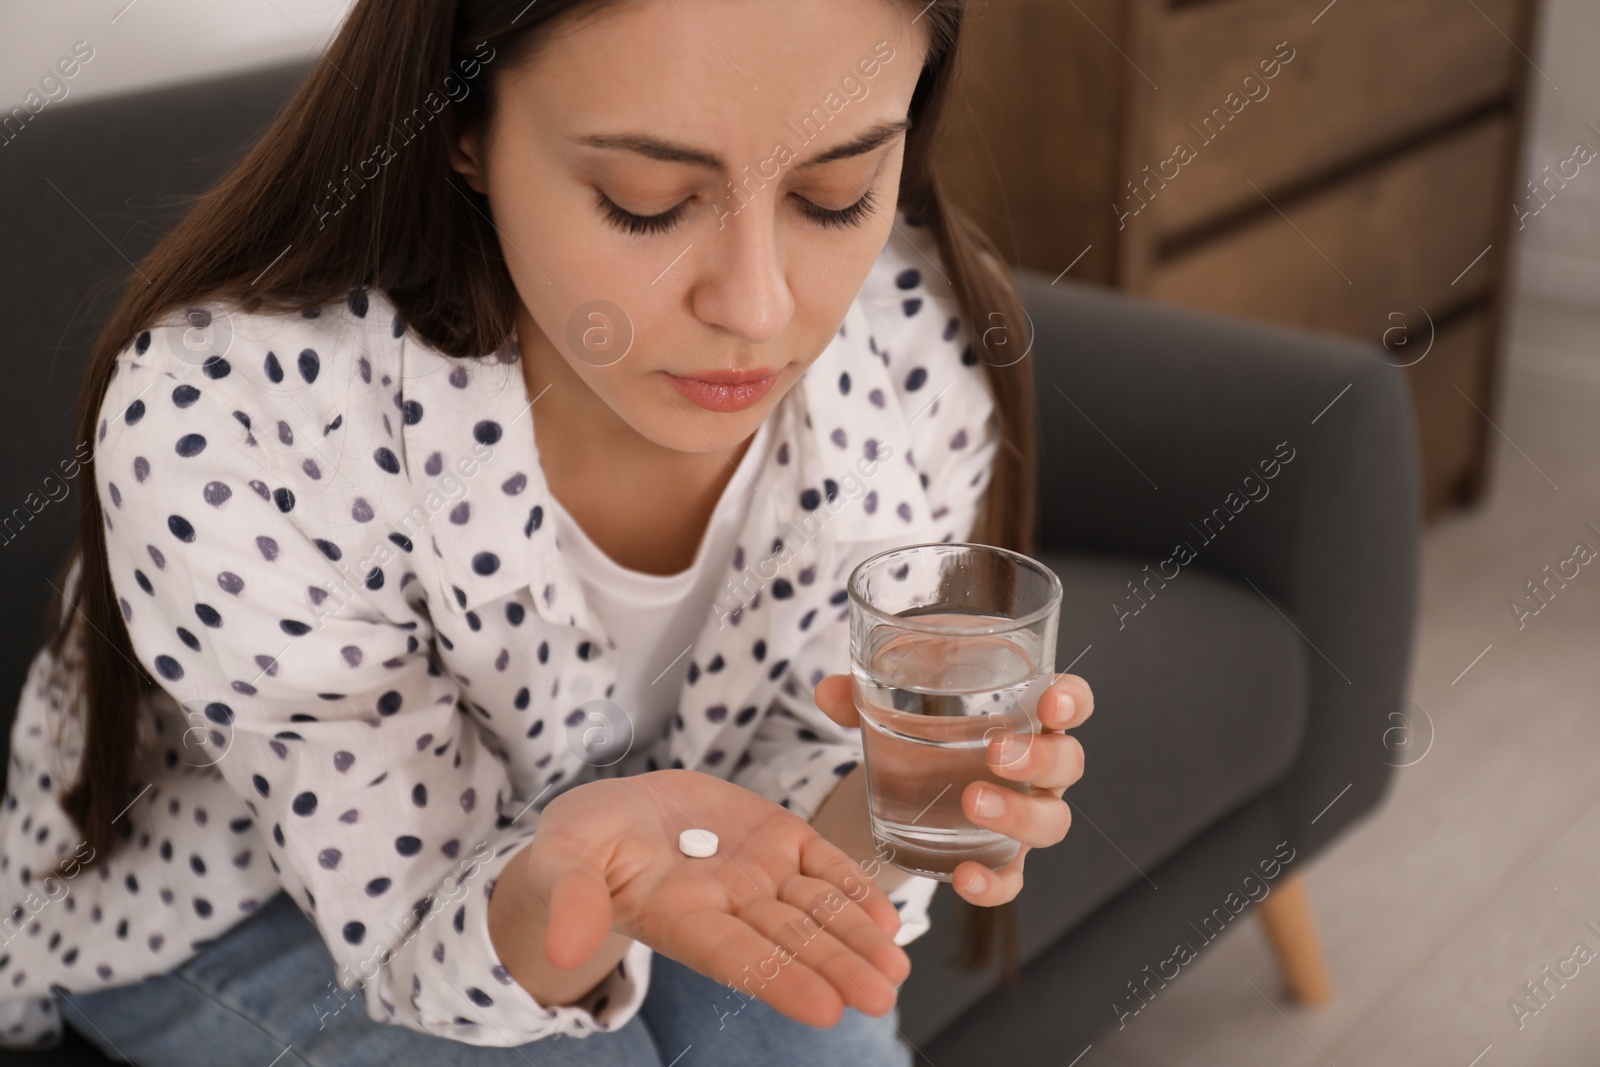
<point x="698" y="843"/>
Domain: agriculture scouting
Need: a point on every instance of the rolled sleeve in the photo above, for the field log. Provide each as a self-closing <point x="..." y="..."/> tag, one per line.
<point x="505" y="1009"/>
<point x="912" y="899"/>
<point x="30" y="1023"/>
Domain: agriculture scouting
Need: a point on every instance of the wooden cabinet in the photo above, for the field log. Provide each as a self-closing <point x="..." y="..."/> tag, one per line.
<point x="1343" y="166"/>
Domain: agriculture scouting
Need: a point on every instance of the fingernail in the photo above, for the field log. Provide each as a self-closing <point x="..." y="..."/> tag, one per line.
<point x="976" y="883"/>
<point x="988" y="803"/>
<point x="1067" y="705"/>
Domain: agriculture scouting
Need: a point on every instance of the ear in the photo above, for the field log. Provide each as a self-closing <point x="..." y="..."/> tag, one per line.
<point x="466" y="155"/>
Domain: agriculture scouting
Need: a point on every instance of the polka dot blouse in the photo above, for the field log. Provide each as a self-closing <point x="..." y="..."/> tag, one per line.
<point x="333" y="551"/>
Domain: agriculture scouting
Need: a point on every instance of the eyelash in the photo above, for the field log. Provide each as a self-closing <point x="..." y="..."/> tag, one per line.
<point x="630" y="223"/>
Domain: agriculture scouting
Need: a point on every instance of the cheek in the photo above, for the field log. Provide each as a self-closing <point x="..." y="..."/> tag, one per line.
<point x="828" y="268"/>
<point x="556" y="250"/>
<point x="630" y="386"/>
<point x="596" y="333"/>
<point x="629" y="390"/>
<point x="606" y="329"/>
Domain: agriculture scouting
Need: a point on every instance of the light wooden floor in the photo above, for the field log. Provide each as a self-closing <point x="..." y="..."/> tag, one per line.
<point x="1483" y="866"/>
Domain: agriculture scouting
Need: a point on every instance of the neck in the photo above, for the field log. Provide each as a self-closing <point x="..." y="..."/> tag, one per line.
<point x="645" y="505"/>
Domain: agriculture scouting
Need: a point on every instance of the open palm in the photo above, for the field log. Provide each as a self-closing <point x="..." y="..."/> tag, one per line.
<point x="779" y="912"/>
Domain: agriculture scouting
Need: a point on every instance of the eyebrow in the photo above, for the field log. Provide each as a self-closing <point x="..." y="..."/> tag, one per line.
<point x="668" y="152"/>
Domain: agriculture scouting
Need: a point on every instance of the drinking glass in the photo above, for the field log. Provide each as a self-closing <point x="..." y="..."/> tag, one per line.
<point x="951" y="645"/>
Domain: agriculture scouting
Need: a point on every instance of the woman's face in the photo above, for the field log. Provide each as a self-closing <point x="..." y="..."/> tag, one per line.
<point x="608" y="170"/>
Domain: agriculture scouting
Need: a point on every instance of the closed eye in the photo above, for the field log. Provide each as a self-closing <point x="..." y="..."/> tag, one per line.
<point x="628" y="222"/>
<point x="850" y="216"/>
<point x="638" y="225"/>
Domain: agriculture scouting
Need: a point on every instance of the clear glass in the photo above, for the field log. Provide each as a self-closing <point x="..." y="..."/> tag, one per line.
<point x="951" y="645"/>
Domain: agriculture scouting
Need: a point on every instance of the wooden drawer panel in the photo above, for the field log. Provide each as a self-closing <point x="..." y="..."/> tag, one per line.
<point x="1386" y="241"/>
<point x="1366" y="74"/>
<point x="1020" y="152"/>
<point x="1450" y="431"/>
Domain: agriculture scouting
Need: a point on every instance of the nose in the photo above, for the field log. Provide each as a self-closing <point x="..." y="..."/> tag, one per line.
<point x="743" y="285"/>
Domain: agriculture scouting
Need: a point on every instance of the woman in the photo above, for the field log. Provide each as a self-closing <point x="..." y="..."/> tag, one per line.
<point x="477" y="478"/>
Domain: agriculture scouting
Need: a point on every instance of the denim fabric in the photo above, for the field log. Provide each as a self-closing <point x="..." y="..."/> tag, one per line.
<point x="260" y="996"/>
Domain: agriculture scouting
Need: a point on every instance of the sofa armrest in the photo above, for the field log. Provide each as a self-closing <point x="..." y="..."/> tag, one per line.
<point x="1151" y="420"/>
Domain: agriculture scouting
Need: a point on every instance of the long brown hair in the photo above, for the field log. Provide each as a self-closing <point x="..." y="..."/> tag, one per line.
<point x="417" y="231"/>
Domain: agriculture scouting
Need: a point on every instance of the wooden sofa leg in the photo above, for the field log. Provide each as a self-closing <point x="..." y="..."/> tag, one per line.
<point x="1292" y="928"/>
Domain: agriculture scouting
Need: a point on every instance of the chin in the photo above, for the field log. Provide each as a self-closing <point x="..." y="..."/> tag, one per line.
<point x="688" y="428"/>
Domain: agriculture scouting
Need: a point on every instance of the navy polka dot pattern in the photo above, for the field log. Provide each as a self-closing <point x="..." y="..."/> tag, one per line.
<point x="331" y="553"/>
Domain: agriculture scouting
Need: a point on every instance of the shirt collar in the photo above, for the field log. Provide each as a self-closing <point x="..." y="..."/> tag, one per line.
<point x="473" y="464"/>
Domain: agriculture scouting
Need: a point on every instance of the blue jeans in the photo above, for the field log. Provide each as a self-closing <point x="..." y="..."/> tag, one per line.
<point x="253" y="996"/>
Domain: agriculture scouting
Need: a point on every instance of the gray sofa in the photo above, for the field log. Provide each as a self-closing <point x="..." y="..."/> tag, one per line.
<point x="1242" y="698"/>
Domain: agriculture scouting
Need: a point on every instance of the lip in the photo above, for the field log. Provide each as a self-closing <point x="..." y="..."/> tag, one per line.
<point x="725" y="390"/>
<point x="730" y="377"/>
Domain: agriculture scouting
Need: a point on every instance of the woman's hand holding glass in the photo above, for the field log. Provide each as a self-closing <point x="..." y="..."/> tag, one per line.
<point x="1050" y="761"/>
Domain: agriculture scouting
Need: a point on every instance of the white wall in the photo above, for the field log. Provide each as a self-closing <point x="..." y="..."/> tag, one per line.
<point x="152" y="42"/>
<point x="1559" y="248"/>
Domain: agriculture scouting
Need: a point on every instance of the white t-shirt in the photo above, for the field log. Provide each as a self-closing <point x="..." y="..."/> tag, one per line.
<point x="653" y="618"/>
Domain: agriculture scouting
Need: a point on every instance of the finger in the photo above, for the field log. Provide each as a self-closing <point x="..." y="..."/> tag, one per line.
<point x="834" y="696"/>
<point x="580" y="917"/>
<point x="1066" y="702"/>
<point x="987" y="888"/>
<point x="820" y="858"/>
<point x="1048" y="760"/>
<point x="852" y="926"/>
<point x="802" y="940"/>
<point x="1038" y="819"/>
<point x="730" y="950"/>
